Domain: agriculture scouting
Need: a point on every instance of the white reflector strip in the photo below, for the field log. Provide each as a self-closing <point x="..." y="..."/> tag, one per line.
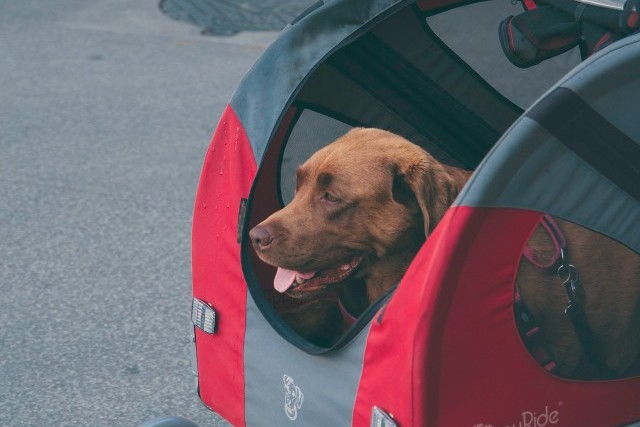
<point x="203" y="316"/>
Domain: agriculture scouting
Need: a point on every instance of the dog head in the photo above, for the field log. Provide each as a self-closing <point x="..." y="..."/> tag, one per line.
<point x="363" y="206"/>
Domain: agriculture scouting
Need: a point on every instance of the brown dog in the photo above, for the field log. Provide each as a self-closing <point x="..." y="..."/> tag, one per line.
<point x="364" y="206"/>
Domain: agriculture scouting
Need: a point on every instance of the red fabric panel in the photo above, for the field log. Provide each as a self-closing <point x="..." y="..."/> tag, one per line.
<point x="447" y="351"/>
<point x="227" y="174"/>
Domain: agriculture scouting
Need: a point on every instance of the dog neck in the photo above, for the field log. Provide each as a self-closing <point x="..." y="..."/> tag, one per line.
<point x="387" y="272"/>
<point x="352" y="296"/>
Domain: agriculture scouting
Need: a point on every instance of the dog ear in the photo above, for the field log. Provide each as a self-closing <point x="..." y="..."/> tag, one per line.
<point x="433" y="185"/>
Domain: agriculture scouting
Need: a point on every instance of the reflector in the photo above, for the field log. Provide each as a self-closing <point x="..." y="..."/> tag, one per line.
<point x="379" y="418"/>
<point x="203" y="316"/>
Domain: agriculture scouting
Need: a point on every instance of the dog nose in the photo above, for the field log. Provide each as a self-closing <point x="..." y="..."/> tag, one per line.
<point x="260" y="237"/>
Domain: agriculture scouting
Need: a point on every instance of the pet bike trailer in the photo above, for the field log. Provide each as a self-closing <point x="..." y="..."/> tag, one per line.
<point x="545" y="133"/>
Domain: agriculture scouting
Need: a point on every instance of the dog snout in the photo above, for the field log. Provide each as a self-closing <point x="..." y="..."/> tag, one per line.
<point x="260" y="237"/>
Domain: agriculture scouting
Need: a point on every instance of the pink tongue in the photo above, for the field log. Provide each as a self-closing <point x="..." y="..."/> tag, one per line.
<point x="285" y="278"/>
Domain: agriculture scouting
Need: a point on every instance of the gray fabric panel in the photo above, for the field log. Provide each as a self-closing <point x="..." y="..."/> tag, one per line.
<point x="266" y="89"/>
<point x="615" y="96"/>
<point x="620" y="107"/>
<point x="531" y="169"/>
<point x="615" y="66"/>
<point x="328" y="383"/>
<point x="591" y="137"/>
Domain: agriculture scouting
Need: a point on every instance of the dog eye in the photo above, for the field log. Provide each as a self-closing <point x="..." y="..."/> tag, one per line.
<point x="330" y="198"/>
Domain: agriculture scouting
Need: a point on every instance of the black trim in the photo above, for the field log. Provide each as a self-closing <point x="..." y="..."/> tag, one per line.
<point x="242" y="216"/>
<point x="591" y="136"/>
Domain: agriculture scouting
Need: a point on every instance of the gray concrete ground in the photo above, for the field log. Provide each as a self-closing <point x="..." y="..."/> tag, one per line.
<point x="106" y="110"/>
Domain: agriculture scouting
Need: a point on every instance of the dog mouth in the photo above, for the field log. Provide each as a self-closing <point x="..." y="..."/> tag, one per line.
<point x="308" y="284"/>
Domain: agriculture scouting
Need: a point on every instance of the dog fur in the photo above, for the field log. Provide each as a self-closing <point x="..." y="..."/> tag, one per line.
<point x="369" y="194"/>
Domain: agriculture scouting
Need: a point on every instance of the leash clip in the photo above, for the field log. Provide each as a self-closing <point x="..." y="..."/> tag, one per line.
<point x="569" y="276"/>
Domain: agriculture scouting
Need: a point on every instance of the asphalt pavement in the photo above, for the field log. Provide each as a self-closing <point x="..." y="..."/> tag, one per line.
<point x="223" y="17"/>
<point x="106" y="110"/>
